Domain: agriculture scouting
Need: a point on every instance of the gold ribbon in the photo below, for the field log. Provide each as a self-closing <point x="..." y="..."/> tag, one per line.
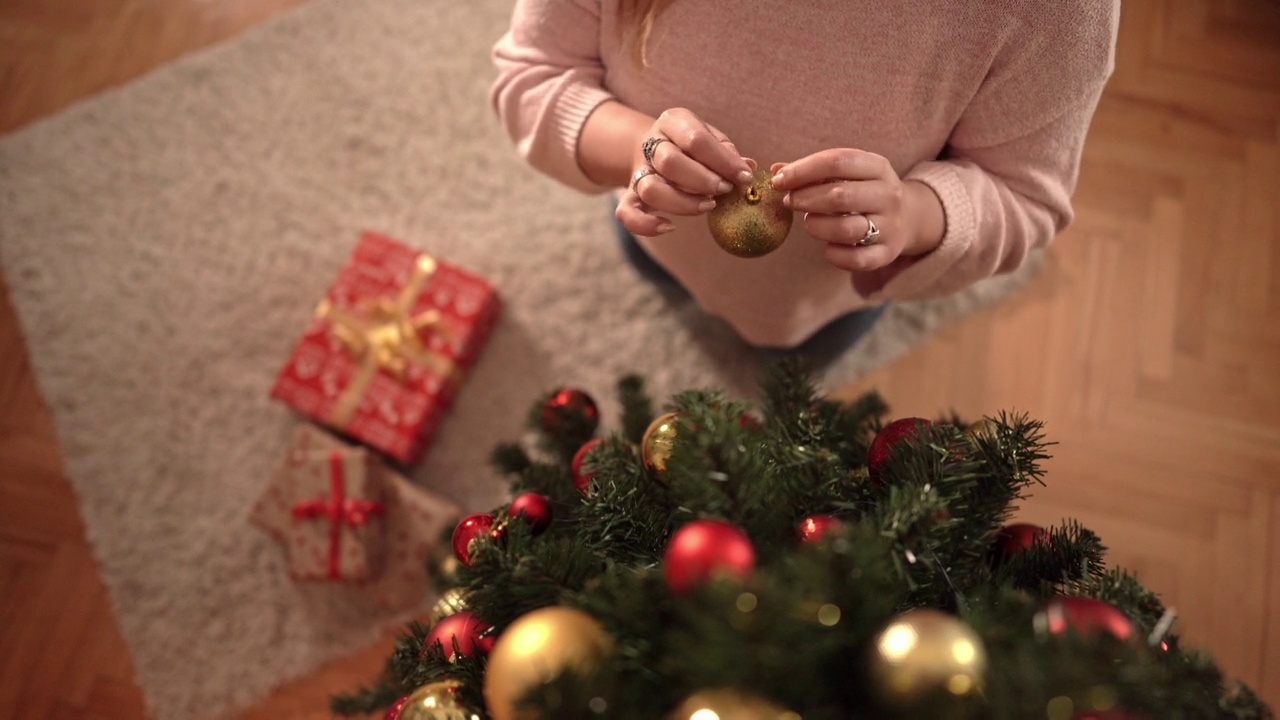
<point x="386" y="337"/>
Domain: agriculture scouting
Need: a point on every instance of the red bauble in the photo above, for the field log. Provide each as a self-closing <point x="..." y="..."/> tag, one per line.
<point x="472" y="635"/>
<point x="468" y="531"/>
<point x="887" y="439"/>
<point x="534" y="508"/>
<point x="815" y="527"/>
<point x="393" y="711"/>
<point x="1086" y="616"/>
<point x="583" y="479"/>
<point x="1016" y="538"/>
<point x="749" y="423"/>
<point x="565" y="404"/>
<point x="704" y="548"/>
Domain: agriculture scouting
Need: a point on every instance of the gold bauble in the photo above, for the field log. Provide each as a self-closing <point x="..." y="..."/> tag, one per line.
<point x="536" y="648"/>
<point x="659" y="439"/>
<point x="979" y="431"/>
<point x="727" y="704"/>
<point x="985" y="426"/>
<point x="750" y="221"/>
<point x="925" y="657"/>
<point x="448" y="566"/>
<point x="437" y="701"/>
<point x="451" y="602"/>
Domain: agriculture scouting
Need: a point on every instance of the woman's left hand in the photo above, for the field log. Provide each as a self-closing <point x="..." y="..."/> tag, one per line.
<point x="841" y="192"/>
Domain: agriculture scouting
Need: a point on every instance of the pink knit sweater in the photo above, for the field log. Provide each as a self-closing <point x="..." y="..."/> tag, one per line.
<point x="985" y="101"/>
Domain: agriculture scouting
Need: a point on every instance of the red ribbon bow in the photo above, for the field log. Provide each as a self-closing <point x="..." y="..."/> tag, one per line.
<point x="339" y="510"/>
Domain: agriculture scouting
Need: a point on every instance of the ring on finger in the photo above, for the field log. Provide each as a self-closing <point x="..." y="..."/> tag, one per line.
<point x="650" y="146"/>
<point x="872" y="236"/>
<point x="639" y="175"/>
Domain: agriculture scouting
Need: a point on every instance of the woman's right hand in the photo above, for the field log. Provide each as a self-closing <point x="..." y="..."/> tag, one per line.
<point x="692" y="164"/>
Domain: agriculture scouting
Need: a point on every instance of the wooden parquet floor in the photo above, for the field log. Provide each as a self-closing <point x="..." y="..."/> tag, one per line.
<point x="1150" y="348"/>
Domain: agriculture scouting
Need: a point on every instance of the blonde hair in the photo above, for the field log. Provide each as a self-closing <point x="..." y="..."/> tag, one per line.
<point x="635" y="21"/>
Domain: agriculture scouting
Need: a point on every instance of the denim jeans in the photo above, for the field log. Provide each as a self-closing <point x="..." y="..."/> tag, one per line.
<point x="831" y="341"/>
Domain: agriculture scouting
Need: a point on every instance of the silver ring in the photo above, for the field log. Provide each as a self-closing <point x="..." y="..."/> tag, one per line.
<point x="650" y="146"/>
<point x="640" y="175"/>
<point x="873" y="233"/>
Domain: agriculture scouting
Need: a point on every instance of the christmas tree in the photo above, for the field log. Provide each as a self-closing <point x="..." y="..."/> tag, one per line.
<point x="803" y="559"/>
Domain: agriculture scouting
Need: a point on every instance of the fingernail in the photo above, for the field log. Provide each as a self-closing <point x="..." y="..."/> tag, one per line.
<point x="777" y="178"/>
<point x="786" y="200"/>
<point x="724" y="187"/>
<point x="706" y="205"/>
<point x="667" y="227"/>
<point x="745" y="177"/>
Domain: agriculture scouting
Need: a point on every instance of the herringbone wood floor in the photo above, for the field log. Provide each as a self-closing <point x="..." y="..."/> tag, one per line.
<point x="1150" y="348"/>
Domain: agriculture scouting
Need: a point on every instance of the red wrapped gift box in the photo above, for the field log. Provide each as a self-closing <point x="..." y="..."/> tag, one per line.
<point x="368" y="527"/>
<point x="384" y="353"/>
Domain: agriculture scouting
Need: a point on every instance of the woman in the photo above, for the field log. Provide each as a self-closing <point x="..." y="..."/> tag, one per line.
<point x="923" y="145"/>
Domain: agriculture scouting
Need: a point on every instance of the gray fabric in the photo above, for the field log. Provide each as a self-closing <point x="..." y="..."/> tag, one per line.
<point x="166" y="242"/>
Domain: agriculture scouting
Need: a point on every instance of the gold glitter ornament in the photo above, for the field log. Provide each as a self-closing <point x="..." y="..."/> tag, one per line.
<point x="437" y="701"/>
<point x="925" y="658"/>
<point x="728" y="704"/>
<point x="451" y="602"/>
<point x="659" y="440"/>
<point x="985" y="426"/>
<point x="750" y="221"/>
<point x="448" y="566"/>
<point x="536" y="648"/>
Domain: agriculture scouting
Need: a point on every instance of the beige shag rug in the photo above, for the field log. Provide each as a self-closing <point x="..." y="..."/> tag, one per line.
<point x="165" y="244"/>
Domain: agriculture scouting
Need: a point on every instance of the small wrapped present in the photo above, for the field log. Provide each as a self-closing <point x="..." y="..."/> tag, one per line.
<point x="330" y="513"/>
<point x="344" y="515"/>
<point x="386" y="349"/>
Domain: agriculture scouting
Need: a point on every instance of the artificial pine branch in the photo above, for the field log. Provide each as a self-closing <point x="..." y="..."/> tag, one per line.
<point x="509" y="458"/>
<point x="637" y="408"/>
<point x="859" y="417"/>
<point x="1015" y="449"/>
<point x="630" y="515"/>
<point x="521" y="573"/>
<point x="406" y="660"/>
<point x="1009" y="455"/>
<point x="788" y="391"/>
<point x="553" y="480"/>
<point x="1069" y="555"/>
<point x="1122" y="589"/>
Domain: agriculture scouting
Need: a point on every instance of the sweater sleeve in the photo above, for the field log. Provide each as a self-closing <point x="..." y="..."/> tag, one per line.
<point x="1012" y="161"/>
<point x="550" y="79"/>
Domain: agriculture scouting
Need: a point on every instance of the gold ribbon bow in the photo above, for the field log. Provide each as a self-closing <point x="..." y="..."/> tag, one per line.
<point x="387" y="337"/>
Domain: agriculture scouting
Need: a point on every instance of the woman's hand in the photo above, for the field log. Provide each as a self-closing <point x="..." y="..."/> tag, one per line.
<point x="690" y="163"/>
<point x="843" y="193"/>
